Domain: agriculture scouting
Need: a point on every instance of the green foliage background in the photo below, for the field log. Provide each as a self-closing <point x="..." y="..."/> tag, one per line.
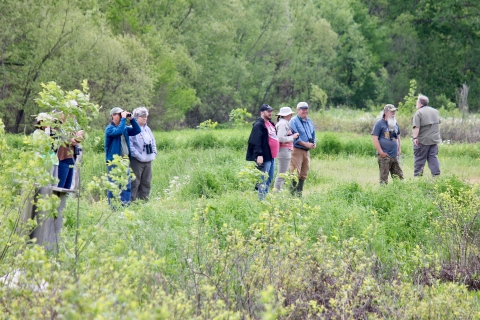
<point x="205" y="247"/>
<point x="193" y="60"/>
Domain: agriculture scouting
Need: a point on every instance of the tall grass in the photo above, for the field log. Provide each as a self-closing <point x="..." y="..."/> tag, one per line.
<point x="204" y="246"/>
<point x="454" y="127"/>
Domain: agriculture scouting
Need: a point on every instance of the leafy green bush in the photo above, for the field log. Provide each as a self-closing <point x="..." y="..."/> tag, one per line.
<point x="239" y="117"/>
<point x="330" y="144"/>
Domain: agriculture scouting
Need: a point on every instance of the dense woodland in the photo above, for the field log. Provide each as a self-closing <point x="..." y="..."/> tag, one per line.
<point x="192" y="60"/>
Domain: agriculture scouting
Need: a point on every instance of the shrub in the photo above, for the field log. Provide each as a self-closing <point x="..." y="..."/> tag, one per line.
<point x="208" y="125"/>
<point x="239" y="117"/>
<point x="330" y="144"/>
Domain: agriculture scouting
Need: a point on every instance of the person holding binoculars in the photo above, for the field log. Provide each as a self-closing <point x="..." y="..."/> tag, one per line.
<point x="144" y="151"/>
<point x="117" y="142"/>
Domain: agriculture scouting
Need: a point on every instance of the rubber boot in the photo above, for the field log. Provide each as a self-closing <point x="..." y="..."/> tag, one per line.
<point x="300" y="188"/>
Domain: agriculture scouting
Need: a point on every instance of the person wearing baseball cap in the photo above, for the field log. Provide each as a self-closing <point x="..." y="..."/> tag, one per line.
<point x="263" y="147"/>
<point x="306" y="141"/>
<point x="386" y="139"/>
<point x="117" y="142"/>
<point x="285" y="137"/>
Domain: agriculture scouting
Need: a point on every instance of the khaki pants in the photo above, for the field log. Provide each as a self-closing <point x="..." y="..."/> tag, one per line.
<point x="389" y="165"/>
<point x="300" y="162"/>
<point x="283" y="159"/>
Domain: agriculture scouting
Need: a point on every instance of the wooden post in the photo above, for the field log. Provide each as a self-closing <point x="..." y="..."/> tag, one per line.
<point x="47" y="232"/>
<point x="48" y="228"/>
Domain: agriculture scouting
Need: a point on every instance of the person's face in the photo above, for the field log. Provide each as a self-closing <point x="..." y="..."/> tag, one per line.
<point x="142" y="120"/>
<point x="116" y="117"/>
<point x="302" y="113"/>
<point x="267" y="115"/>
<point x="287" y="117"/>
<point x="390" y="114"/>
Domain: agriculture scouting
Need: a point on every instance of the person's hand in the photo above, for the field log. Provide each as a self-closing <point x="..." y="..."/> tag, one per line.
<point x="383" y="154"/>
<point x="124" y="114"/>
<point x="313" y="145"/>
<point x="73" y="142"/>
<point x="296" y="135"/>
<point x="80" y="133"/>
<point x="415" y="142"/>
<point x="260" y="160"/>
<point x="399" y="152"/>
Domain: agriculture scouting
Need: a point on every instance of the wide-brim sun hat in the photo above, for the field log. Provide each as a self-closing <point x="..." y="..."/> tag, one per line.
<point x="284" y="111"/>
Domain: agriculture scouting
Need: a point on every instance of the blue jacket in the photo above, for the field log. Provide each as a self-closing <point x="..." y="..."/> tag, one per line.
<point x="113" y="142"/>
<point x="305" y="129"/>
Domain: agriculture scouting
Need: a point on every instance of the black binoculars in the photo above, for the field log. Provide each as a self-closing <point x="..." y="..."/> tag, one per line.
<point x="148" y="148"/>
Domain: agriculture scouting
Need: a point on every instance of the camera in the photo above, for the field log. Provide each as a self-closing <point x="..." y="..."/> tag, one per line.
<point x="77" y="150"/>
<point x="148" y="148"/>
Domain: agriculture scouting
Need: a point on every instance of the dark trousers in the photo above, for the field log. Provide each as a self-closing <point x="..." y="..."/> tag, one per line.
<point x="424" y="153"/>
<point x="142" y="182"/>
<point x="65" y="173"/>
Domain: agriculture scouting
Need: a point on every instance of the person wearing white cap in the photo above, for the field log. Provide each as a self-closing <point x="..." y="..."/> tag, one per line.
<point x="386" y="139"/>
<point x="285" y="137"/>
<point x="301" y="146"/>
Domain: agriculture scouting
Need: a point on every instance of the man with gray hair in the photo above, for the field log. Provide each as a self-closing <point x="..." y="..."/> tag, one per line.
<point x="144" y="151"/>
<point x="386" y="139"/>
<point x="302" y="145"/>
<point x="426" y="137"/>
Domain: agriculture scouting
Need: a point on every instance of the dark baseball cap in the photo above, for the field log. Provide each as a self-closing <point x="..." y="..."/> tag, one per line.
<point x="265" y="107"/>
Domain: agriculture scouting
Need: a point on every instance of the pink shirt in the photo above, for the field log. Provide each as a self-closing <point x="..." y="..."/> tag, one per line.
<point x="288" y="145"/>
<point x="272" y="139"/>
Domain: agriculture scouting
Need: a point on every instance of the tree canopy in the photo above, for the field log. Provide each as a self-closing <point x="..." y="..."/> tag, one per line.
<point x="193" y="60"/>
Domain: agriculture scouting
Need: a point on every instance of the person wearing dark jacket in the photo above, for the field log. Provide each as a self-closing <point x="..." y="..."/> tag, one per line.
<point x="263" y="147"/>
<point x="117" y="142"/>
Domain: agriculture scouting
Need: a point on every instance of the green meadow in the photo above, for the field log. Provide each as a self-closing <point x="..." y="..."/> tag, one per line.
<point x="205" y="247"/>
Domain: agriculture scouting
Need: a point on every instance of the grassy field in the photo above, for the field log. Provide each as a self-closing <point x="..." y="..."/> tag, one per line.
<point x="205" y="247"/>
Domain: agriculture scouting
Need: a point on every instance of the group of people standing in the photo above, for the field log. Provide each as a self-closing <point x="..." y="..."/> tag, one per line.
<point x="426" y="137"/>
<point x="137" y="143"/>
<point x="290" y="140"/>
<point x="292" y="137"/>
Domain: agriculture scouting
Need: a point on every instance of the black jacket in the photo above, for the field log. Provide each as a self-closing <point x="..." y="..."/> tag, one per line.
<point x="258" y="142"/>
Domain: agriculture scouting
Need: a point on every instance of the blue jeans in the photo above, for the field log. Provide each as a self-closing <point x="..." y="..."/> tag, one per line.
<point x="65" y="173"/>
<point x="269" y="167"/>
<point x="125" y="194"/>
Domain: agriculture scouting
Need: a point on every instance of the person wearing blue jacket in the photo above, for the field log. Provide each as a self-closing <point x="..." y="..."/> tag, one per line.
<point x="300" y="162"/>
<point x="117" y="142"/>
